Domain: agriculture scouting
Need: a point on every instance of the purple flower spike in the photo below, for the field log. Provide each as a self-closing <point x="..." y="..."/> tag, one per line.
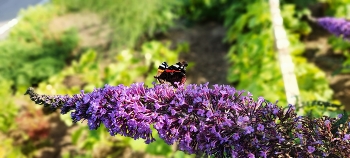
<point x="336" y="26"/>
<point x="218" y="121"/>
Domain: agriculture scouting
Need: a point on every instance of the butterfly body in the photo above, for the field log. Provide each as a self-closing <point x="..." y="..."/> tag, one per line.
<point x="172" y="74"/>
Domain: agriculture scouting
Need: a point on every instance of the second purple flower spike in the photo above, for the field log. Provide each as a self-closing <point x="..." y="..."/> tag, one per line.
<point x="337" y="26"/>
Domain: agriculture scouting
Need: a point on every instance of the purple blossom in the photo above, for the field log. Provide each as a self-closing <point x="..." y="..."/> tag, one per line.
<point x="249" y="129"/>
<point x="251" y="155"/>
<point x="300" y="136"/>
<point x="300" y="125"/>
<point x="275" y="110"/>
<point x="260" y="127"/>
<point x="339" y="116"/>
<point x="336" y="26"/>
<point x="236" y="136"/>
<point x="280" y="138"/>
<point x="327" y="122"/>
<point x="263" y="153"/>
<point x="234" y="154"/>
<point x="218" y="121"/>
<point x="310" y="149"/>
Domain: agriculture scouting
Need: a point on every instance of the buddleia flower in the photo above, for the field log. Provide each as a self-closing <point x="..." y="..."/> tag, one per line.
<point x="337" y="26"/>
<point x="218" y="121"/>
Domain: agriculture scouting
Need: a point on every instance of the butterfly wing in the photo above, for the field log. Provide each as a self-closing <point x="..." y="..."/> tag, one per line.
<point x="161" y="68"/>
<point x="172" y="74"/>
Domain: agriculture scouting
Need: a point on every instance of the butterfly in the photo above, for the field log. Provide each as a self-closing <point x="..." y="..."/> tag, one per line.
<point x="172" y="74"/>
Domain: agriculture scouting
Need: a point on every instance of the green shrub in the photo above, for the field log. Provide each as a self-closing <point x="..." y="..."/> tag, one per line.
<point x="8" y="113"/>
<point x="8" y="108"/>
<point x="8" y="150"/>
<point x="32" y="53"/>
<point x="338" y="8"/>
<point x="203" y="10"/>
<point x="254" y="66"/>
<point x="129" y="19"/>
<point x="254" y="60"/>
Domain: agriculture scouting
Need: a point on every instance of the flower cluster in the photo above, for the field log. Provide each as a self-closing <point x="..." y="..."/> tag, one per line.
<point x="336" y="26"/>
<point x="218" y="121"/>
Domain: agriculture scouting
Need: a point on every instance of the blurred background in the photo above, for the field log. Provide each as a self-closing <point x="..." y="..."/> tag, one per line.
<point x="64" y="46"/>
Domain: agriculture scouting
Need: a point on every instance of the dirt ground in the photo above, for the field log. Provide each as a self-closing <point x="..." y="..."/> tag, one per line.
<point x="207" y="52"/>
<point x="330" y="63"/>
<point x="318" y="51"/>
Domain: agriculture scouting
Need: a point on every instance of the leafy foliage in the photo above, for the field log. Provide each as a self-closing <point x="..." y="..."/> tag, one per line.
<point x="7" y="149"/>
<point x="7" y="107"/>
<point x="203" y="10"/>
<point x="130" y="19"/>
<point x="32" y="53"/>
<point x="253" y="57"/>
<point x="8" y="113"/>
<point x="318" y="109"/>
<point x="339" y="8"/>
